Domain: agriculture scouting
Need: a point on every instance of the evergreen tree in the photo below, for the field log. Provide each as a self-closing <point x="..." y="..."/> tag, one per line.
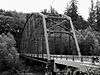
<point x="94" y="16"/>
<point x="98" y="15"/>
<point x="78" y="21"/>
<point x="72" y="10"/>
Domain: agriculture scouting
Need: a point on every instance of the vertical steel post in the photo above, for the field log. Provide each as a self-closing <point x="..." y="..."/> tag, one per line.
<point x="75" y="38"/>
<point x="46" y="35"/>
<point x="76" y="41"/>
<point x="47" y="44"/>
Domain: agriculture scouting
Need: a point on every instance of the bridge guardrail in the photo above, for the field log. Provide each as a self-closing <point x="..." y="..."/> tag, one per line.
<point x="88" y="59"/>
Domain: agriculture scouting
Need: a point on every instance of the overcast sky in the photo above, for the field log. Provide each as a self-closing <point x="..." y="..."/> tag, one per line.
<point x="39" y="5"/>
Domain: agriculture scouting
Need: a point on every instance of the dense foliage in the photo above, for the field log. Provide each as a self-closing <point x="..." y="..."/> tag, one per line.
<point x="13" y="22"/>
<point x="87" y="35"/>
<point x="72" y="11"/>
<point x="9" y="57"/>
<point x="27" y="30"/>
<point x="94" y="16"/>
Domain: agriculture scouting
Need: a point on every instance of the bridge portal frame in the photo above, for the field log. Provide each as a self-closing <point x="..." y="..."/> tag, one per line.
<point x="46" y="32"/>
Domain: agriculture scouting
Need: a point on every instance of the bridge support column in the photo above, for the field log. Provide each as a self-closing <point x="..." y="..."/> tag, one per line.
<point x="50" y="67"/>
<point x="55" y="68"/>
<point x="69" y="72"/>
<point x="48" y="73"/>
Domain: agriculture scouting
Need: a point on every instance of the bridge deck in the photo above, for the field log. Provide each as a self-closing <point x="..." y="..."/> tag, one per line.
<point x="83" y="63"/>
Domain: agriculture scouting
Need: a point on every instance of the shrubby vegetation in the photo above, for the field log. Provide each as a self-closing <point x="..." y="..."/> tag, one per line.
<point x="87" y="32"/>
<point x="15" y="23"/>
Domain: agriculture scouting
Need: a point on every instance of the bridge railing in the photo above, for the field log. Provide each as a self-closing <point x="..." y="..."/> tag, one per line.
<point x="87" y="59"/>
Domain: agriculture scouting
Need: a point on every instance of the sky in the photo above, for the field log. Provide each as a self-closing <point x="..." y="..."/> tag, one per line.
<point x="28" y="6"/>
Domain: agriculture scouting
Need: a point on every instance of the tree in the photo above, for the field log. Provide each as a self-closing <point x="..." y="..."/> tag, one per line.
<point x="9" y="57"/>
<point x="12" y="21"/>
<point x="72" y="10"/>
<point x="98" y="15"/>
<point x="94" y="16"/>
<point x="78" y="21"/>
<point x="51" y="12"/>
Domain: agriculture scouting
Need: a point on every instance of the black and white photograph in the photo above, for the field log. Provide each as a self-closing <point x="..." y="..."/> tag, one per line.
<point x="49" y="37"/>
